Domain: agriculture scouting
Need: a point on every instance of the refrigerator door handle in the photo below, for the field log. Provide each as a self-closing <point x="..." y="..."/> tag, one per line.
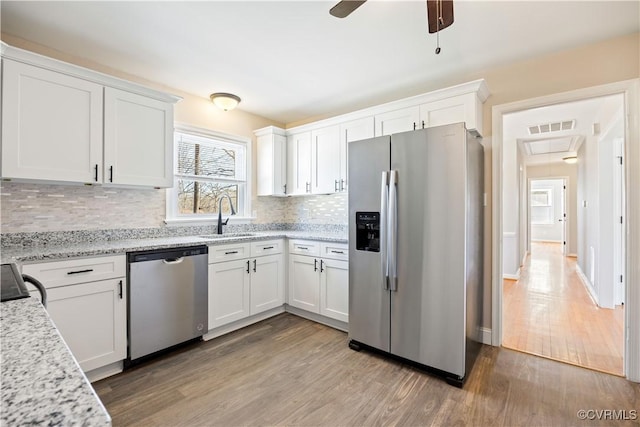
<point x="384" y="207"/>
<point x="392" y="231"/>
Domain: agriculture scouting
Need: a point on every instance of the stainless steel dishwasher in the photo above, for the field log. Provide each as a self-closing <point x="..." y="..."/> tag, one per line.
<point x="168" y="299"/>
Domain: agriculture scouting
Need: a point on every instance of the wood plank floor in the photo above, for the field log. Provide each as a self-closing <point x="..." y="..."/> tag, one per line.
<point x="291" y="371"/>
<point x="548" y="312"/>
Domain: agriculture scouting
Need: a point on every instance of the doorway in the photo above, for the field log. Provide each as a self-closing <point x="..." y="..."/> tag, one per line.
<point x="504" y="180"/>
<point x="549" y="311"/>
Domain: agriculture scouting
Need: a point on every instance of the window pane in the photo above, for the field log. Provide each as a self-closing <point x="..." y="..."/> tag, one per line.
<point x="211" y="160"/>
<point x="201" y="197"/>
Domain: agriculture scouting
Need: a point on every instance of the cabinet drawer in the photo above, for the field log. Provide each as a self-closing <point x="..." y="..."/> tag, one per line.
<point x="229" y="252"/>
<point x="338" y="251"/>
<point x="304" y="247"/>
<point x="69" y="272"/>
<point x="266" y="247"/>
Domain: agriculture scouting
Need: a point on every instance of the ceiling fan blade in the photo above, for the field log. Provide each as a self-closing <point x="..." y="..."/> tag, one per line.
<point x="345" y="7"/>
<point x="436" y="8"/>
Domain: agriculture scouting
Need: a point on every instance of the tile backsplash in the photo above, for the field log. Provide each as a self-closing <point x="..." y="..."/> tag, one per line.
<point x="28" y="207"/>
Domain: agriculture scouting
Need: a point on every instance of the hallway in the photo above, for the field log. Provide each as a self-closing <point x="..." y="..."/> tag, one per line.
<point x="548" y="312"/>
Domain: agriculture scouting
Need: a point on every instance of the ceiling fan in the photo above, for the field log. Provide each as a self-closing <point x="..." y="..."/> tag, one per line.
<point x="439" y="13"/>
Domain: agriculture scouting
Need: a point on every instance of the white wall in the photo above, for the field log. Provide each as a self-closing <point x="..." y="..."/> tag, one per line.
<point x="596" y="216"/>
<point x="548" y="232"/>
<point x="510" y="210"/>
<point x="555" y="170"/>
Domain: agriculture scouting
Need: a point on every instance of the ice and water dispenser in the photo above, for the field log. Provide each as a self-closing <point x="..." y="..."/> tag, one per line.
<point x="368" y="231"/>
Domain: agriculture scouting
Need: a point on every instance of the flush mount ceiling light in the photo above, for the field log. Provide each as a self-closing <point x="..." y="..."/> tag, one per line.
<point x="570" y="159"/>
<point x="225" y="101"/>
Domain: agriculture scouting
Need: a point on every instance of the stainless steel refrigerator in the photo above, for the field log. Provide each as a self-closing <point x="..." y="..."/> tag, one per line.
<point x="416" y="247"/>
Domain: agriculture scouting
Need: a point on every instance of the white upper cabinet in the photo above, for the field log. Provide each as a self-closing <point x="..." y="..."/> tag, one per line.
<point x="397" y="121"/>
<point x="64" y="123"/>
<point x="353" y="130"/>
<point x="138" y="140"/>
<point x="325" y="160"/>
<point x="272" y="161"/>
<point x="299" y="163"/>
<point x="51" y="125"/>
<point x="465" y="108"/>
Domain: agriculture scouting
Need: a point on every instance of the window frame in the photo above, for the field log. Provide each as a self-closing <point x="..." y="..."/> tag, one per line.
<point x="548" y="208"/>
<point x="171" y="212"/>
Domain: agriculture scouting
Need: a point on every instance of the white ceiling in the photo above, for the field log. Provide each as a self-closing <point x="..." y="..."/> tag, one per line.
<point x="291" y="60"/>
<point x="553" y="146"/>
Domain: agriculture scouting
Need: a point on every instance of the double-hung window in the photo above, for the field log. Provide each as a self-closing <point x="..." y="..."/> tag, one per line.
<point x="207" y="167"/>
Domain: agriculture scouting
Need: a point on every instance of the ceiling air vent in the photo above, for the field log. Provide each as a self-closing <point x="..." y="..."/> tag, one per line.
<point x="552" y="127"/>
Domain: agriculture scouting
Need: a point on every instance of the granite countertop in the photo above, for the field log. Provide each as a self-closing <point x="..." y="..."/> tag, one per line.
<point x="27" y="254"/>
<point x="42" y="384"/>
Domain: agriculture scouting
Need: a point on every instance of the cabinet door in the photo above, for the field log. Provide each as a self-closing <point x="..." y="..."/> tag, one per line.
<point x="463" y="108"/>
<point x="138" y="140"/>
<point x="267" y="283"/>
<point x="304" y="282"/>
<point x="325" y="160"/>
<point x="334" y="289"/>
<point x="272" y="165"/>
<point x="51" y="125"/>
<point x="92" y="319"/>
<point x="397" y="121"/>
<point x="228" y="292"/>
<point x="299" y="163"/>
<point x="352" y="131"/>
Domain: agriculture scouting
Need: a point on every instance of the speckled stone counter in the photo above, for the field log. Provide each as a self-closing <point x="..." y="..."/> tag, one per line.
<point x="36" y="253"/>
<point x="42" y="384"/>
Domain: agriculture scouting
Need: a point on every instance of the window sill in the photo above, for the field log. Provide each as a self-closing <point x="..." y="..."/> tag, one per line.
<point x="208" y="220"/>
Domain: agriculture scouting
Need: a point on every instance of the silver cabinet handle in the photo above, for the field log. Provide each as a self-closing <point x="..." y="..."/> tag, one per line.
<point x="343" y="184"/>
<point x="302" y="248"/>
<point x="336" y="188"/>
<point x="337" y="252"/>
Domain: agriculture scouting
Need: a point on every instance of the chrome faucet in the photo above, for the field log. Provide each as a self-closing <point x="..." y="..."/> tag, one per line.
<point x="233" y="211"/>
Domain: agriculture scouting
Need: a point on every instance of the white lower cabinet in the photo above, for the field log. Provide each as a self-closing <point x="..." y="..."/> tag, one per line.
<point x="91" y="317"/>
<point x="243" y="287"/>
<point x="319" y="284"/>
<point x="334" y="289"/>
<point x="88" y="308"/>
<point x="304" y="283"/>
<point x="267" y="283"/>
<point x="228" y="292"/>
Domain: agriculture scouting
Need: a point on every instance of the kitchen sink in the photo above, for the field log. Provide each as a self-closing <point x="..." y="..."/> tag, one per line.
<point x="227" y="235"/>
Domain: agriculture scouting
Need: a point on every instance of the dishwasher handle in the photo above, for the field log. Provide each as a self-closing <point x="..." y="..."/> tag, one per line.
<point x="171" y="261"/>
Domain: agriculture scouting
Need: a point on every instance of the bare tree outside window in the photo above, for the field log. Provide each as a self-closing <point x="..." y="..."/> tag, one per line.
<point x="207" y="171"/>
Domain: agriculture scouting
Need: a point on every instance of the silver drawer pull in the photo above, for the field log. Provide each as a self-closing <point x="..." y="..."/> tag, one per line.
<point x="302" y="248"/>
<point x="89" y="270"/>
<point x="268" y="247"/>
<point x="231" y="252"/>
<point x="338" y="252"/>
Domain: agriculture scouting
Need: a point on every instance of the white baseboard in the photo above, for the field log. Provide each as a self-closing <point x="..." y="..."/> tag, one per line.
<point x="587" y="284"/>
<point x="485" y="333"/>
<point x="336" y="324"/>
<point x="233" y="326"/>
<point x="512" y="276"/>
<point x="104" y="372"/>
